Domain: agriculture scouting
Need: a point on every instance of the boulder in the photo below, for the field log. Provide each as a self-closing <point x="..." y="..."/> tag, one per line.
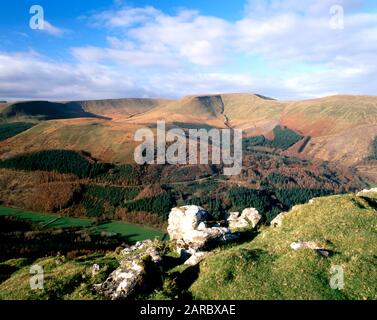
<point x="252" y="215"/>
<point x="188" y="225"/>
<point x="366" y="191"/>
<point x="278" y="220"/>
<point x="196" y="258"/>
<point x="184" y="219"/>
<point x="249" y="218"/>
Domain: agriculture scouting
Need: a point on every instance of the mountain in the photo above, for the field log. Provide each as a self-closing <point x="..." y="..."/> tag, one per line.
<point x="338" y="129"/>
<point x="122" y="107"/>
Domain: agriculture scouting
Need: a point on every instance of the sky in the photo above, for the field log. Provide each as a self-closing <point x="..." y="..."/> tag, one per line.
<point x="102" y="49"/>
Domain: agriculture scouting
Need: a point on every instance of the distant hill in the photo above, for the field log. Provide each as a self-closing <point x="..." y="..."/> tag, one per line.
<point x="122" y="107"/>
<point x="45" y="110"/>
<point x="338" y="128"/>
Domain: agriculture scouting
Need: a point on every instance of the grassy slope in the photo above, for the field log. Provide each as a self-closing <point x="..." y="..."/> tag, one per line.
<point x="336" y="124"/>
<point x="132" y="232"/>
<point x="63" y="278"/>
<point x="266" y="268"/>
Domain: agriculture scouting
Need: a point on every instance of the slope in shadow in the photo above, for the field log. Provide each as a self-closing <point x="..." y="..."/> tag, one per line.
<point x="45" y="110"/>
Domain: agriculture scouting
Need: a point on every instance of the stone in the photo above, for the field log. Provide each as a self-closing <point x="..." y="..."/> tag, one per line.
<point x="252" y="215"/>
<point x="305" y="245"/>
<point x="196" y="258"/>
<point x="366" y="191"/>
<point x="183" y="219"/>
<point x="249" y="218"/>
<point x="130" y="276"/>
<point x="188" y="225"/>
<point x="278" y="220"/>
<point x="95" y="269"/>
<point x="312" y="245"/>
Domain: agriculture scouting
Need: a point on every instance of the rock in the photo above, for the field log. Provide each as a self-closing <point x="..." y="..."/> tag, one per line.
<point x="196" y="258"/>
<point x="249" y="218"/>
<point x="312" y="245"/>
<point x="184" y="219"/>
<point x="252" y="215"/>
<point x="366" y="191"/>
<point x="95" y="269"/>
<point x="193" y="233"/>
<point x="140" y="262"/>
<point x="278" y="220"/>
<point x="305" y="245"/>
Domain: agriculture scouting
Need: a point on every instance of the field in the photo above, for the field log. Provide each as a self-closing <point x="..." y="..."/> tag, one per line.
<point x="130" y="232"/>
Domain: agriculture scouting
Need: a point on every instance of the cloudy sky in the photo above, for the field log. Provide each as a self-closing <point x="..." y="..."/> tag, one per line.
<point x="96" y="49"/>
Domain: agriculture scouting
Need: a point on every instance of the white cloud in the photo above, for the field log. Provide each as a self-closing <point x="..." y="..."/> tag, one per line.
<point x="52" y="30"/>
<point x="152" y="53"/>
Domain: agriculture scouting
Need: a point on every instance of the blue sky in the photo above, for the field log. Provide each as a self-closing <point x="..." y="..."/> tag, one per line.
<point x="100" y="49"/>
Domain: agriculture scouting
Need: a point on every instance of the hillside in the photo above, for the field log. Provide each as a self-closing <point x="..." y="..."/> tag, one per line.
<point x="260" y="266"/>
<point x="267" y="268"/>
<point x="122" y="107"/>
<point x="45" y="110"/>
<point x="339" y="129"/>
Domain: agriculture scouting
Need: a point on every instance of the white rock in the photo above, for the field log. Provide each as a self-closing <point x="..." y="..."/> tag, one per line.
<point x="305" y="245"/>
<point x="196" y="258"/>
<point x="95" y="269"/>
<point x="188" y="226"/>
<point x="123" y="281"/>
<point x="183" y="219"/>
<point x="252" y="215"/>
<point x="366" y="191"/>
<point x="249" y="217"/>
<point x="278" y="220"/>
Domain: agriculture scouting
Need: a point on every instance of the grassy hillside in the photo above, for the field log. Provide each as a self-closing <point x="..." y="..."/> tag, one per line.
<point x="262" y="267"/>
<point x="337" y="125"/>
<point x="267" y="268"/>
<point x="122" y="107"/>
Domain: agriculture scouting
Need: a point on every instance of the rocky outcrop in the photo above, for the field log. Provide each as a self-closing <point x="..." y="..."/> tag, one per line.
<point x="194" y="234"/>
<point x="139" y="264"/>
<point x="249" y="218"/>
<point x="189" y="227"/>
<point x="366" y="191"/>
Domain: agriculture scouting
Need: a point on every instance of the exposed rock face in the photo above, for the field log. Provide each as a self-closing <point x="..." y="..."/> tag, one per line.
<point x="185" y="219"/>
<point x="278" y="220"/>
<point x="188" y="225"/>
<point x="140" y="263"/>
<point x="249" y="217"/>
<point x="366" y="191"/>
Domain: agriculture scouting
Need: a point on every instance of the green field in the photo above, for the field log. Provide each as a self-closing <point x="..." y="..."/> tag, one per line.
<point x="130" y="232"/>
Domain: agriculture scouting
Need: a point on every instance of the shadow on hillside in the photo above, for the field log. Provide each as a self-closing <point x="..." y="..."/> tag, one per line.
<point x="46" y="110"/>
<point x="371" y="202"/>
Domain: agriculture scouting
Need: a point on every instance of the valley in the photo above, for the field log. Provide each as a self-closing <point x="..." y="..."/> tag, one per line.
<point x="69" y="168"/>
